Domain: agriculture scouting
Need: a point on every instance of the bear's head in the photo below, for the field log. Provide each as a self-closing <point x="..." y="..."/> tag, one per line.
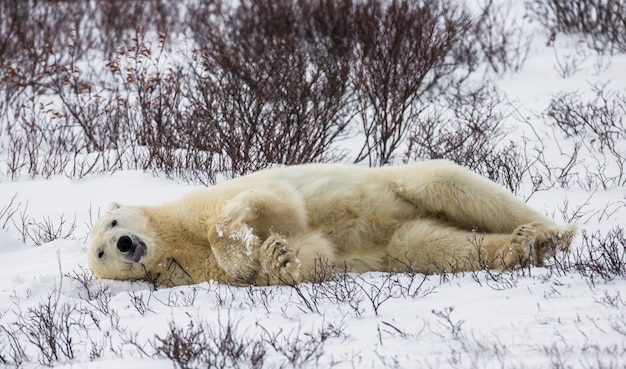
<point x="121" y="244"/>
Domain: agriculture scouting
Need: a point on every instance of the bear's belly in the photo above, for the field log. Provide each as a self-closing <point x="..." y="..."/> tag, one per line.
<point x="359" y="218"/>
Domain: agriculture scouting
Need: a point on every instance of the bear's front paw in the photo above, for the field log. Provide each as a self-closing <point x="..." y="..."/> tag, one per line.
<point x="279" y="264"/>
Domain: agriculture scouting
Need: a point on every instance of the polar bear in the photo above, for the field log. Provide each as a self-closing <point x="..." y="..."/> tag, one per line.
<point x="278" y="226"/>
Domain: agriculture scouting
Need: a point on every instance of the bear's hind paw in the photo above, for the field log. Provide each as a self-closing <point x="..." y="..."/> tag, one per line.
<point x="535" y="242"/>
<point x="551" y="240"/>
<point x="518" y="249"/>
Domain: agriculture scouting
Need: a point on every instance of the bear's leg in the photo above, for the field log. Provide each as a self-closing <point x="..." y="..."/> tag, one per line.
<point x="430" y="246"/>
<point x="457" y="195"/>
<point x="242" y="238"/>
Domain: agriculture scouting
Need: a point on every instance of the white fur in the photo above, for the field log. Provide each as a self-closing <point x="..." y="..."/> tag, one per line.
<point x="279" y="225"/>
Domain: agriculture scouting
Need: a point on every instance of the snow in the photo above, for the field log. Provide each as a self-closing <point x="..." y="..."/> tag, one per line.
<point x="533" y="318"/>
<point x="525" y="320"/>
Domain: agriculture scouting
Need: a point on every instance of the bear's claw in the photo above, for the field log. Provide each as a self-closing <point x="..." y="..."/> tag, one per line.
<point x="534" y="243"/>
<point x="278" y="262"/>
<point x="520" y="246"/>
<point x="550" y="240"/>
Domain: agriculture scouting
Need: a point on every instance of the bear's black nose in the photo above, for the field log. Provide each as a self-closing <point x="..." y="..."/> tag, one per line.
<point x="124" y="244"/>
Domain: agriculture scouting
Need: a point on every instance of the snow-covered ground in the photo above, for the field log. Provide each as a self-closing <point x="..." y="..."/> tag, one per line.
<point x="534" y="318"/>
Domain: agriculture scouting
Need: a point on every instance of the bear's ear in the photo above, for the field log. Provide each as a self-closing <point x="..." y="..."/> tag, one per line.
<point x="114" y="205"/>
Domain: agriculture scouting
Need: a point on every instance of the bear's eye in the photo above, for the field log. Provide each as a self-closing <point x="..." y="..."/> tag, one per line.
<point x="100" y="254"/>
<point x="113" y="223"/>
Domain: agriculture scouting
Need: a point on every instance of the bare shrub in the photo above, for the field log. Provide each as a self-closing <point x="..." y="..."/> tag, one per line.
<point x="602" y="255"/>
<point x="497" y="39"/>
<point x="266" y="85"/>
<point x="32" y="28"/>
<point x="98" y="295"/>
<point x="342" y="289"/>
<point x="446" y="321"/>
<point x="3" y="359"/>
<point x="467" y="128"/>
<point x="502" y="279"/>
<point x="45" y="230"/>
<point x="30" y="35"/>
<point x="612" y="300"/>
<point x="118" y="20"/>
<point x="351" y="290"/>
<point x="48" y="58"/>
<point x="14" y="351"/>
<point x="93" y="125"/>
<point x="378" y="292"/>
<point x="258" y="83"/>
<point x="598" y="124"/>
<point x="140" y="303"/>
<point x="154" y="86"/>
<point x="464" y="130"/>
<point x="598" y="120"/>
<point x="8" y="211"/>
<point x="50" y="328"/>
<point x="183" y="347"/>
<point x="406" y="53"/>
<point x="271" y="84"/>
<point x="46" y="137"/>
<point x="506" y="165"/>
<point x="402" y="53"/>
<point x="38" y="144"/>
<point x="307" y="296"/>
<point x="299" y="351"/>
<point x="200" y="345"/>
<point x="260" y="297"/>
<point x="602" y="22"/>
<point x="37" y="232"/>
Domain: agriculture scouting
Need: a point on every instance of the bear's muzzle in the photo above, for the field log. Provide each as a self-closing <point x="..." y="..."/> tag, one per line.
<point x="132" y="247"/>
